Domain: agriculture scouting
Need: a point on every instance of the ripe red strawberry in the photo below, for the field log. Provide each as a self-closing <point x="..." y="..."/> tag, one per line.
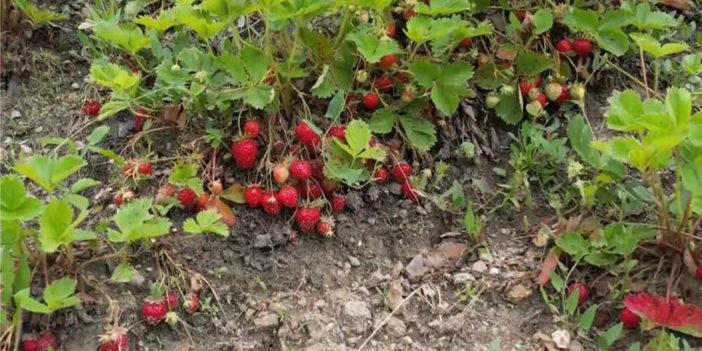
<point x="46" y="342"/>
<point x="300" y="170"/>
<point x="92" y="108"/>
<point x="582" y="291"/>
<point x="244" y="152"/>
<point x="629" y="319"/>
<point x="288" y="196"/>
<point x="408" y="13"/>
<point x="201" y="201"/>
<point x="582" y="47"/>
<point x="409" y="192"/>
<point x="338" y="203"/>
<point x="171" y="300"/>
<point x="312" y="146"/>
<point x="154" y="310"/>
<point x="564" y="46"/>
<point x="309" y="190"/>
<point x="253" y="195"/>
<point x="371" y="101"/>
<point x="338" y="132"/>
<point x="382" y="84"/>
<point x="525" y="87"/>
<point x="30" y="343"/>
<point x="115" y="340"/>
<point x="191" y="303"/>
<point x="391" y="30"/>
<point x="304" y="133"/>
<point x="402" y="171"/>
<point x="307" y="218"/>
<point x="542" y="99"/>
<point x="272" y="78"/>
<point x="186" y="196"/>
<point x="520" y="14"/>
<point x="387" y="61"/>
<point x="699" y="273"/>
<point x="140" y="116"/>
<point x="466" y="42"/>
<point x="317" y="169"/>
<point x="146" y="168"/>
<point x="329" y="186"/>
<point x="252" y="128"/>
<point x="325" y="226"/>
<point x="381" y="175"/>
<point x="270" y="204"/>
<point x="538" y="81"/>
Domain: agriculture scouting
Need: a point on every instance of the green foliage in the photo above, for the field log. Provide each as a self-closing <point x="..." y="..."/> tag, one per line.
<point x="606" y="29"/>
<point x="447" y="83"/>
<point x="15" y="203"/>
<point x="615" y="242"/>
<point x="185" y="175"/>
<point x="123" y="273"/>
<point x="58" y="295"/>
<point x="472" y="223"/>
<point x="419" y="133"/>
<point x="59" y="228"/>
<point x="206" y="222"/>
<point x="651" y="46"/>
<point x="370" y="46"/>
<point x="347" y="160"/>
<point x="134" y="222"/>
<point x="49" y="172"/>
<point x="36" y="15"/>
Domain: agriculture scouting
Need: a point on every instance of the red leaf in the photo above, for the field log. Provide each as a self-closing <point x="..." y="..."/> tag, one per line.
<point x="550" y="263"/>
<point x="673" y="315"/>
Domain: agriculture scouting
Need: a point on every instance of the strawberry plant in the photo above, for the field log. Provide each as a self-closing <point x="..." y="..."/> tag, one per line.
<point x="38" y="16"/>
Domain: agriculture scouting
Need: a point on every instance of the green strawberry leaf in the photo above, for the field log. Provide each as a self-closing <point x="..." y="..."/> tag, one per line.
<point x="38" y="16"/>
<point x="419" y="132"/>
<point x="185" y="175"/>
<point x="650" y="45"/>
<point x="613" y="40"/>
<point x="424" y="72"/>
<point x="543" y="21"/>
<point x="123" y="273"/>
<point x="15" y="204"/>
<point x="129" y="38"/>
<point x="24" y="301"/>
<point x="205" y="27"/>
<point x="257" y="97"/>
<point x="134" y="222"/>
<point x="529" y="63"/>
<point x="382" y="121"/>
<point x="358" y="135"/>
<point x="324" y="87"/>
<point x="692" y="64"/>
<point x="371" y="47"/>
<point x="165" y="20"/>
<point x="60" y="294"/>
<point x="113" y="76"/>
<point x="509" y="109"/>
<point x="443" y="7"/>
<point x="48" y="173"/>
<point x="419" y="29"/>
<point x="582" y="20"/>
<point x="645" y="20"/>
<point x="206" y="222"/>
<point x="580" y="137"/>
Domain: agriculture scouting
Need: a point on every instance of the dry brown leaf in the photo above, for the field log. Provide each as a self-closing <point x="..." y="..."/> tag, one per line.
<point x="682" y="5"/>
<point x="550" y="263"/>
<point x="224" y="210"/>
<point x="545" y="341"/>
<point x="182" y="346"/>
<point x="450" y="250"/>
<point x="543" y="236"/>
<point x="394" y="297"/>
<point x="689" y="262"/>
<point x="519" y="292"/>
<point x="196" y="283"/>
<point x="174" y="114"/>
